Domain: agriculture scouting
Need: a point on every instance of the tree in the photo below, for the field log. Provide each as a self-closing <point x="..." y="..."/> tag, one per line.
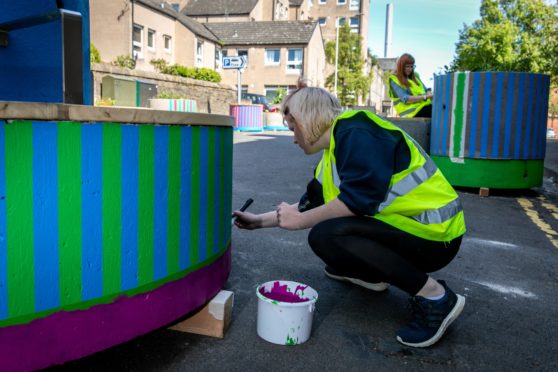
<point x="351" y="82"/>
<point x="512" y="35"/>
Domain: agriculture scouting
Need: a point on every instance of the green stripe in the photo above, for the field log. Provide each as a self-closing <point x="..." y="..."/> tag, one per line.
<point x="69" y="211"/>
<point x="112" y="207"/>
<point x="210" y="191"/>
<point x="195" y="197"/>
<point x="173" y="243"/>
<point x="228" y="166"/>
<point x="146" y="193"/>
<point x="222" y="218"/>
<point x="19" y="206"/>
<point x="459" y="111"/>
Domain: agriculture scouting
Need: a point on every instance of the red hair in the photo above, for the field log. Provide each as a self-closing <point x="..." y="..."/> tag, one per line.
<point x="405" y="59"/>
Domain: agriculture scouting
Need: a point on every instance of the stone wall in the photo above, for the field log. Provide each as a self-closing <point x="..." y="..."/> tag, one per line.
<point x="212" y="98"/>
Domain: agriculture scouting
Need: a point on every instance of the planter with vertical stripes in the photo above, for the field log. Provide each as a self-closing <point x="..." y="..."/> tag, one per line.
<point x="113" y="223"/>
<point x="489" y="128"/>
<point x="173" y="104"/>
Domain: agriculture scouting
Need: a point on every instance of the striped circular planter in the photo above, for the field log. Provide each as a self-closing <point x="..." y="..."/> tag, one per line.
<point x="247" y="118"/>
<point x="173" y="104"/>
<point x="274" y="121"/>
<point x="489" y="128"/>
<point x="109" y="229"/>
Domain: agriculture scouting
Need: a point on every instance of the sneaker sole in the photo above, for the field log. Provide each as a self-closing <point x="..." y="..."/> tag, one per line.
<point x="454" y="313"/>
<point x="376" y="287"/>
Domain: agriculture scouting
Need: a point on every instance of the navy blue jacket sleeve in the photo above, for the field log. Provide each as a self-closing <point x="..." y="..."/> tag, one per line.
<point x="367" y="156"/>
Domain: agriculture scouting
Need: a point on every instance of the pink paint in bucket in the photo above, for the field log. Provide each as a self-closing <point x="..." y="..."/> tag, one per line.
<point x="285" y="311"/>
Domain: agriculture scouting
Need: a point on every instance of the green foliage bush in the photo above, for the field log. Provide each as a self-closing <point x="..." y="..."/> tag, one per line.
<point x="125" y="61"/>
<point x="202" y="73"/>
<point x="94" y="54"/>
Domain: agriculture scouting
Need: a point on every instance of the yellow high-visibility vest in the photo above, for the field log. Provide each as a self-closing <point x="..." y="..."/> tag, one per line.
<point x="408" y="110"/>
<point x="419" y="200"/>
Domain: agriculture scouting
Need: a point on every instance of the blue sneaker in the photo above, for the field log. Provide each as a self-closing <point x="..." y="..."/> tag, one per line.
<point x="431" y="318"/>
<point x="333" y="274"/>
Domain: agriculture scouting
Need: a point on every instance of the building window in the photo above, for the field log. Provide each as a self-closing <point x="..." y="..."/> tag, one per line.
<point x="294" y="60"/>
<point x="151" y="39"/>
<point x="341" y="21"/>
<point x="322" y="21"/>
<point x="199" y="53"/>
<point x="322" y="2"/>
<point x="242" y="52"/>
<point x="218" y="57"/>
<point x="341" y="2"/>
<point x="168" y="43"/>
<point x="225" y="52"/>
<point x="272" y="57"/>
<point x="310" y="3"/>
<point x="137" y="42"/>
<point x="354" y="24"/>
<point x="354" y="5"/>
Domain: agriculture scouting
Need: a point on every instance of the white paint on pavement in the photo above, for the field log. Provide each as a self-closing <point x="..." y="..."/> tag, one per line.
<point x="508" y="290"/>
<point x="491" y="243"/>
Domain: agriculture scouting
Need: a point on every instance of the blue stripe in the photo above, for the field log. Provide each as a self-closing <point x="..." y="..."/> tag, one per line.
<point x="161" y="199"/>
<point x="497" y="115"/>
<point x="540" y="121"/>
<point x="434" y="145"/>
<point x="537" y="124"/>
<point x="474" y="109"/>
<point x="544" y="115"/>
<point x="45" y="215"/>
<point x="3" y="226"/>
<point x="508" y="118"/>
<point x="130" y="203"/>
<point x="204" y="150"/>
<point x="519" y="114"/>
<point x="185" y="195"/>
<point x="92" y="211"/>
<point x="485" y="114"/>
<point x="529" y="122"/>
<point x="218" y="182"/>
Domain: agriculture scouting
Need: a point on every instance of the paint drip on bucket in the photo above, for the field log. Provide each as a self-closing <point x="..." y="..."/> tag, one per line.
<point x="285" y="311"/>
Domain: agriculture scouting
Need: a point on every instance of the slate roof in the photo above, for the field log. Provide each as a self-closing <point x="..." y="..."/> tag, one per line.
<point x="219" y="7"/>
<point x="193" y="25"/>
<point x="263" y="33"/>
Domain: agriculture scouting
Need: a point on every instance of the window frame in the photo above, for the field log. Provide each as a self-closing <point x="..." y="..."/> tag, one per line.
<point x="351" y="4"/>
<point x="167" y="38"/>
<point x="295" y="62"/>
<point x="199" y="52"/>
<point x="268" y="62"/>
<point x="153" y="34"/>
<point x="137" y="46"/>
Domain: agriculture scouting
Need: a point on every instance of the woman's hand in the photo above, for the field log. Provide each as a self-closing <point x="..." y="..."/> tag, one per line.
<point x="247" y="220"/>
<point x="289" y="217"/>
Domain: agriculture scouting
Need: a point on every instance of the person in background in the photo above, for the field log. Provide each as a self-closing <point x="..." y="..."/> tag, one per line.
<point x="379" y="209"/>
<point x="410" y="96"/>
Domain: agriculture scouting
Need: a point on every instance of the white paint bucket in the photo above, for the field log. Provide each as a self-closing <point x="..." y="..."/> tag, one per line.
<point x="285" y="311"/>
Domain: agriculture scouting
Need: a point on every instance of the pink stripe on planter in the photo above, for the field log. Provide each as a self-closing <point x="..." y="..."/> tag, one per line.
<point x="65" y="336"/>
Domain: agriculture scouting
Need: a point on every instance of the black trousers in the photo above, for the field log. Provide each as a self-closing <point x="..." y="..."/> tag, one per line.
<point x="425" y="112"/>
<point x="371" y="250"/>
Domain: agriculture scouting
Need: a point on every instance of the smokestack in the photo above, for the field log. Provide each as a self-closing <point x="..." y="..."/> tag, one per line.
<point x="389" y="24"/>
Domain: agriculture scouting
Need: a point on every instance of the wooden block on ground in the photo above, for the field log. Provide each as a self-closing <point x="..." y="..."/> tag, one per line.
<point x="484" y="191"/>
<point x="212" y="320"/>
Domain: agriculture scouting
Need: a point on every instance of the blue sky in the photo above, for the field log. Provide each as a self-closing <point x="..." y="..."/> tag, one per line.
<point x="427" y="29"/>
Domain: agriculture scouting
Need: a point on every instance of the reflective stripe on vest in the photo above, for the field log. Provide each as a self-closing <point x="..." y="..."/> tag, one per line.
<point x="442" y="223"/>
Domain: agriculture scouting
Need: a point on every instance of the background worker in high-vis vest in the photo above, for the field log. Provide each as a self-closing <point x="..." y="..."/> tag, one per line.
<point x="379" y="210"/>
<point x="410" y="97"/>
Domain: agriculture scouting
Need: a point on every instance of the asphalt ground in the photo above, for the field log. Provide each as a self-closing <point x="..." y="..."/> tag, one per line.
<point x="507" y="269"/>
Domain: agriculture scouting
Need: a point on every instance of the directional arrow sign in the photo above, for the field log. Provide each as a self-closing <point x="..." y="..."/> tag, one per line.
<point x="237" y="62"/>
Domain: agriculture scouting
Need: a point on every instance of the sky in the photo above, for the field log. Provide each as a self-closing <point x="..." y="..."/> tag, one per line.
<point x="427" y="29"/>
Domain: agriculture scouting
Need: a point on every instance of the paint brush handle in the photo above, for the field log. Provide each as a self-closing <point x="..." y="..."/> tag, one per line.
<point x="246" y="204"/>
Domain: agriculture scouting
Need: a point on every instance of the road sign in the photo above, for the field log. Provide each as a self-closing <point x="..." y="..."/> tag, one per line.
<point x="234" y="62"/>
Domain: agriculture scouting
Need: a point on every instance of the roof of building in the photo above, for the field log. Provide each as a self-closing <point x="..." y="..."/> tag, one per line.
<point x="167" y="9"/>
<point x="218" y="7"/>
<point x="263" y="33"/>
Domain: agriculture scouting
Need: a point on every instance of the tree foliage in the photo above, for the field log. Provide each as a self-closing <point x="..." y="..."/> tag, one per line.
<point x="512" y="35"/>
<point x="351" y="82"/>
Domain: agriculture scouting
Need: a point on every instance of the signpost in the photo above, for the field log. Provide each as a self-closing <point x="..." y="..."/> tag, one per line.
<point x="238" y="63"/>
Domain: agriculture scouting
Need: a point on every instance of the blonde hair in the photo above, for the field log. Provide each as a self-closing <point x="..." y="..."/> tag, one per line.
<point x="314" y="109"/>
